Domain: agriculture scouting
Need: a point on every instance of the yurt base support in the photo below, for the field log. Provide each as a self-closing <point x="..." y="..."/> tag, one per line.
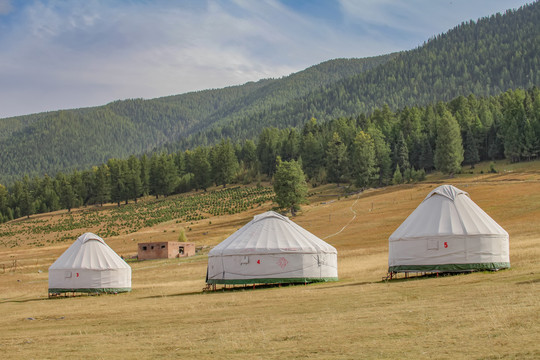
<point x="243" y="284"/>
<point x="393" y="275"/>
<point x="89" y="292"/>
<point x="213" y="287"/>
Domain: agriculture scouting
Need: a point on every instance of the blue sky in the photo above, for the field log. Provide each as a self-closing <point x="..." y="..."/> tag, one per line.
<point x="58" y="54"/>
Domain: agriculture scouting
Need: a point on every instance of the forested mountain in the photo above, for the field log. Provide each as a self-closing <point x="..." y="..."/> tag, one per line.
<point x="379" y="149"/>
<point x="485" y="57"/>
<point x="45" y="143"/>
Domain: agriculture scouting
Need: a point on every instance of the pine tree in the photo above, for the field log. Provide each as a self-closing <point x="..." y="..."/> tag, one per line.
<point x="289" y="185"/>
<point x="512" y="145"/>
<point x="145" y="175"/>
<point x="426" y="155"/>
<point x="449" y="149"/>
<point x="202" y="172"/>
<point x="401" y="152"/>
<point x="169" y="176"/>
<point x="23" y="197"/>
<point x="118" y="181"/>
<point x="312" y="155"/>
<point x="249" y="154"/>
<point x="103" y="184"/>
<point x="470" y="154"/>
<point x="337" y="161"/>
<point x="226" y="164"/>
<point x="267" y="150"/>
<point x="79" y="189"/>
<point x="514" y="124"/>
<point x="155" y="175"/>
<point x="49" y="195"/>
<point x="67" y="195"/>
<point x="397" y="178"/>
<point x="383" y="160"/>
<point x="291" y="144"/>
<point x="495" y="148"/>
<point x="528" y="140"/>
<point x="4" y="204"/>
<point x="363" y="162"/>
<point x="134" y="183"/>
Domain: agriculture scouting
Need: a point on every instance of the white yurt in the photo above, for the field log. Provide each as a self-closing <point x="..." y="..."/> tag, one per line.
<point x="89" y="265"/>
<point x="448" y="232"/>
<point x="271" y="249"/>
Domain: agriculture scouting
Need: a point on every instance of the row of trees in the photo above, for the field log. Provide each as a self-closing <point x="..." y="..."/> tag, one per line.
<point x="382" y="148"/>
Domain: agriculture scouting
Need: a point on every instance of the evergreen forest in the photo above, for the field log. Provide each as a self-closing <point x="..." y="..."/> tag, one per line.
<point x="382" y="148"/>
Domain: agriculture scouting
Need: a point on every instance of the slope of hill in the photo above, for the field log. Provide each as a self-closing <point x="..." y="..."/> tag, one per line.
<point x="67" y="139"/>
<point x="485" y="58"/>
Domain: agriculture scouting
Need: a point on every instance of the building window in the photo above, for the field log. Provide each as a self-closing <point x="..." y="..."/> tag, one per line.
<point x="152" y="247"/>
<point x="181" y="250"/>
<point x="144" y="248"/>
<point x="163" y="246"/>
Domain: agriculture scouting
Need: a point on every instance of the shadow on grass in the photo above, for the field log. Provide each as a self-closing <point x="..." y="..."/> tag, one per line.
<point x="528" y="282"/>
<point x="172" y="295"/>
<point x="234" y="289"/>
<point x="21" y="301"/>
<point x="332" y="286"/>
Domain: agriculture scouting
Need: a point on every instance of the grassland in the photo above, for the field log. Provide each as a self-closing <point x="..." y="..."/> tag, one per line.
<point x="474" y="316"/>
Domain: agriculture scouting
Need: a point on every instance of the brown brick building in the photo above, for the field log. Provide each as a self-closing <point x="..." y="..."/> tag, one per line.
<point x="165" y="250"/>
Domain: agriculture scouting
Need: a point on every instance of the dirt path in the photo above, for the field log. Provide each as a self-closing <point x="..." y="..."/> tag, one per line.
<point x="347" y="224"/>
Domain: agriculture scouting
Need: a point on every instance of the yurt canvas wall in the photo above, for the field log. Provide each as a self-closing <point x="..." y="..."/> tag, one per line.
<point x="271" y="249"/>
<point x="89" y="265"/>
<point x="448" y="232"/>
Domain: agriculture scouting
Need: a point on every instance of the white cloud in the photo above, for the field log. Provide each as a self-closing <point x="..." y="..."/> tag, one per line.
<point x="417" y="20"/>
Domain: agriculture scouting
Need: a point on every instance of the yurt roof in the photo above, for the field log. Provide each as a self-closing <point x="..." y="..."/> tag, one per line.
<point x="89" y="251"/>
<point x="271" y="233"/>
<point x="447" y="211"/>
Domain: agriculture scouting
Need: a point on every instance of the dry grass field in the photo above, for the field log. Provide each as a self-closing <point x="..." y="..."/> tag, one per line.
<point x="487" y="315"/>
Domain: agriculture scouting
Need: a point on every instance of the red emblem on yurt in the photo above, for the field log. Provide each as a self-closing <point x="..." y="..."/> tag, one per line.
<point x="282" y="262"/>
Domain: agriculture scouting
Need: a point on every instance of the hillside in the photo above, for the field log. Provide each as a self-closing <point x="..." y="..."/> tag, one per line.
<point x="479" y="315"/>
<point x="46" y="143"/>
<point x="484" y="57"/>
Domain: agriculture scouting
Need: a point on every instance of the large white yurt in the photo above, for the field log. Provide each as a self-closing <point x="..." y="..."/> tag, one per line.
<point x="271" y="249"/>
<point x="448" y="232"/>
<point x="89" y="265"/>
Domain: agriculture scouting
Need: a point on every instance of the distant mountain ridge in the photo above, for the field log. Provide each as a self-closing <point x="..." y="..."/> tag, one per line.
<point x="485" y="57"/>
<point x="61" y="140"/>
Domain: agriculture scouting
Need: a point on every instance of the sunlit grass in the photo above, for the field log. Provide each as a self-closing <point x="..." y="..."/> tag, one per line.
<point x="486" y="315"/>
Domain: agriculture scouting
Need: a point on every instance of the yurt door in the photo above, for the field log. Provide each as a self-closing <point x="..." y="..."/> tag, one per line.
<point x="321" y="260"/>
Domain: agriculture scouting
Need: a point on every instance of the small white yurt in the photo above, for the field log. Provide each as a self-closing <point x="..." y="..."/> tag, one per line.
<point x="448" y="232"/>
<point x="271" y="249"/>
<point x="89" y="265"/>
